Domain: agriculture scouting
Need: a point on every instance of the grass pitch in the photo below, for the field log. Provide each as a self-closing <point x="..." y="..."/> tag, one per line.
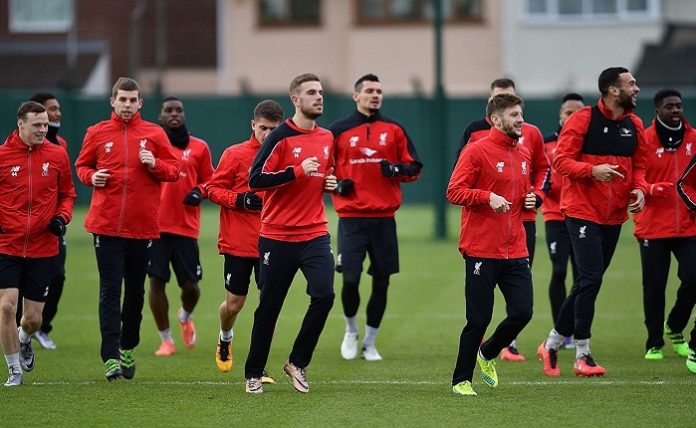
<point x="410" y="387"/>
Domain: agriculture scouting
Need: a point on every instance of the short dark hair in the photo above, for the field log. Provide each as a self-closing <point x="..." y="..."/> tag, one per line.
<point x="503" y="83"/>
<point x="572" y="96"/>
<point x="302" y="78"/>
<point x="269" y="110"/>
<point x="125" y="84"/>
<point x="366" y="78"/>
<point x="664" y="93"/>
<point x="169" y="99"/>
<point x="609" y="77"/>
<point x="29" y="107"/>
<point x="42" y="97"/>
<point x="501" y="102"/>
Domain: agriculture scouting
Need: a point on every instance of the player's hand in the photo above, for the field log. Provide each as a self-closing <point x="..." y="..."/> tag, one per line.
<point x="344" y="187"/>
<point x="147" y="158"/>
<point x="57" y="226"/>
<point x="499" y="203"/>
<point x="530" y="200"/>
<point x="249" y="201"/>
<point x="389" y="169"/>
<point x="310" y="165"/>
<point x="194" y="197"/>
<point x="637" y="205"/>
<point x="661" y="189"/>
<point x="606" y="172"/>
<point x="330" y="181"/>
<point x="99" y="178"/>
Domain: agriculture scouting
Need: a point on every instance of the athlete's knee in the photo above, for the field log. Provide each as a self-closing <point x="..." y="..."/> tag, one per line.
<point x="31" y="320"/>
<point x="351" y="279"/>
<point x="324" y="301"/>
<point x="8" y="309"/>
<point x="380" y="283"/>
<point x="235" y="303"/>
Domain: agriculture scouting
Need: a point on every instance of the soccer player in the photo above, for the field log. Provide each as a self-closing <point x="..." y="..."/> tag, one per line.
<point x="240" y="223"/>
<point x="557" y="238"/>
<point x="179" y="223"/>
<point x="374" y="155"/>
<point x="294" y="167"/>
<point x="532" y="144"/>
<point x="666" y="227"/>
<point x="36" y="201"/>
<point x="50" y="102"/>
<point x="686" y="187"/>
<point x="491" y="182"/>
<point x="601" y="152"/>
<point x="124" y="159"/>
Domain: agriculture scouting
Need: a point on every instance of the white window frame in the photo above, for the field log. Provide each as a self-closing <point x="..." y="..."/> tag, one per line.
<point x="653" y="12"/>
<point x="40" y="23"/>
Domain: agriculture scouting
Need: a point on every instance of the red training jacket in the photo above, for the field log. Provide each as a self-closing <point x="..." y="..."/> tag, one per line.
<point x="551" y="208"/>
<point x="239" y="228"/>
<point x="196" y="169"/>
<point x="128" y="205"/>
<point x="666" y="216"/>
<point x="532" y="143"/>
<point x="494" y="164"/>
<point x="35" y="186"/>
<point x="293" y="208"/>
<point x="361" y="142"/>
<point x="584" y="197"/>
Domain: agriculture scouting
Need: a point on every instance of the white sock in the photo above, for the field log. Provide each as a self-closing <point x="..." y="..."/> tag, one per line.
<point x="582" y="348"/>
<point x="370" y="334"/>
<point x="12" y="360"/>
<point x="183" y="315"/>
<point x="24" y="337"/>
<point x="555" y="340"/>
<point x="351" y="324"/>
<point x="226" y="335"/>
<point x="166" y="335"/>
<point x="513" y="343"/>
<point x="481" y="355"/>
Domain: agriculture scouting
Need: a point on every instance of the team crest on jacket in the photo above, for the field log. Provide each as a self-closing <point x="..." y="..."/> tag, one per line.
<point x="296" y="151"/>
<point x="14" y="170"/>
<point x="500" y="166"/>
<point x="520" y="140"/>
<point x="186" y="154"/>
<point x="44" y="169"/>
<point x="524" y="167"/>
<point x="143" y="142"/>
<point x="326" y="152"/>
<point x="688" y="149"/>
<point x="659" y="151"/>
<point x="108" y="146"/>
<point x="383" y="139"/>
<point x="354" y="140"/>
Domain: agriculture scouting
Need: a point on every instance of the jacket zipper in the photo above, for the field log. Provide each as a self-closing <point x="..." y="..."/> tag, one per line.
<point x="29" y="172"/>
<point x="676" y="195"/>
<point x="509" y="213"/>
<point x="125" y="179"/>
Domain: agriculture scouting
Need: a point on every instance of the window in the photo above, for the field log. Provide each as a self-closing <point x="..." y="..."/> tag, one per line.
<point x="590" y="10"/>
<point x="289" y="12"/>
<point x="40" y="16"/>
<point x="416" y="11"/>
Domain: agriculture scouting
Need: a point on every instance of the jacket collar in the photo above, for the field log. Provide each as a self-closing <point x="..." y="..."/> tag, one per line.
<point x="367" y="119"/>
<point x="500" y="138"/>
<point x="606" y="111"/>
<point x="254" y="142"/>
<point x="131" y="122"/>
<point x="15" y="142"/>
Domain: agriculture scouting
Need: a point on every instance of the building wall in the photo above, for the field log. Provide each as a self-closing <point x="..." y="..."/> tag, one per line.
<point x="265" y="60"/>
<point x="556" y="58"/>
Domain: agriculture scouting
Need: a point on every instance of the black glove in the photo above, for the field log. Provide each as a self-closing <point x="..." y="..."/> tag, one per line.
<point x="194" y="197"/>
<point x="57" y="226"/>
<point x="389" y="169"/>
<point x="344" y="187"/>
<point x="249" y="201"/>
